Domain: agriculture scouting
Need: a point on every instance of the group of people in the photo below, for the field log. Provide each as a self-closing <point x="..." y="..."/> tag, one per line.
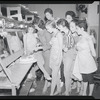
<point x="62" y="41"/>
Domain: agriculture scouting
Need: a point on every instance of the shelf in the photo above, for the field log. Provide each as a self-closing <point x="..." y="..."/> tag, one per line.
<point x="13" y="30"/>
<point x="14" y="23"/>
<point x="11" y="20"/>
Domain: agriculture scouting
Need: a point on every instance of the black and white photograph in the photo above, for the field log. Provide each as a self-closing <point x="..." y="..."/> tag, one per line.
<point x="50" y="49"/>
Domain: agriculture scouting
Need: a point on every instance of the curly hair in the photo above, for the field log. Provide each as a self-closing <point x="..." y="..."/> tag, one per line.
<point x="38" y="21"/>
<point x="82" y="24"/>
<point x="71" y="13"/>
<point x="63" y="22"/>
<point x="49" y="10"/>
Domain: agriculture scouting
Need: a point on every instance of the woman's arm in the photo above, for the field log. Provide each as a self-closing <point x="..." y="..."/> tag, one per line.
<point x="91" y="46"/>
<point x="94" y="40"/>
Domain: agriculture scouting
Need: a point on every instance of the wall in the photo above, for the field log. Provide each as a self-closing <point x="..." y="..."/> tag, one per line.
<point x="58" y="9"/>
<point x="93" y="20"/>
<point x="0" y="7"/>
<point x="93" y="16"/>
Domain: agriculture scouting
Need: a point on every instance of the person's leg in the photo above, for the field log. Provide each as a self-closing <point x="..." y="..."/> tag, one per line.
<point x="46" y="75"/>
<point x="71" y="66"/>
<point x="58" y="85"/>
<point x="68" y="62"/>
<point x="91" y="87"/>
<point x="33" y="72"/>
<point x="73" y="83"/>
<point x="40" y="65"/>
<point x="85" y="84"/>
<point x="67" y="74"/>
<point x="46" y="56"/>
<point x="91" y="84"/>
<point x="45" y="87"/>
<point x="78" y="86"/>
<point x="81" y="89"/>
<point x="54" y="79"/>
<point x="62" y="72"/>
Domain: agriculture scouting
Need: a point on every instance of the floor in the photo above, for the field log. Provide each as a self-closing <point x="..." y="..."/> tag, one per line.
<point x="38" y="90"/>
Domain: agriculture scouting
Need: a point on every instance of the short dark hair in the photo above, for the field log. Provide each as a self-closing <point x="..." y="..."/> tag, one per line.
<point x="71" y="13"/>
<point x="75" y="21"/>
<point x="38" y="21"/>
<point x="49" y="10"/>
<point x="41" y="24"/>
<point x="82" y="24"/>
<point x="63" y="22"/>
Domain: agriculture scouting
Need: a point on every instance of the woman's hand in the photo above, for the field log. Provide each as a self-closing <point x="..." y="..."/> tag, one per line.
<point x="65" y="49"/>
<point x="36" y="49"/>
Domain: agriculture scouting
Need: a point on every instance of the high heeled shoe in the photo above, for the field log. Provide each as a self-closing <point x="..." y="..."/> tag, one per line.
<point x="49" y="78"/>
<point x="57" y="93"/>
<point x="66" y="94"/>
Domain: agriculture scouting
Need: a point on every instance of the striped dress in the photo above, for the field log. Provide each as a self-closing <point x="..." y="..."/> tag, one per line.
<point x="68" y="40"/>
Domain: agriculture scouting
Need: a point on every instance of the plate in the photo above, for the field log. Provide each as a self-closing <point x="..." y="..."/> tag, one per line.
<point x="28" y="59"/>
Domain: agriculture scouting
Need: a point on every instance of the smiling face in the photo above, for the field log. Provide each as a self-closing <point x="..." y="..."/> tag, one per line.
<point x="69" y="18"/>
<point x="72" y="27"/>
<point x="48" y="15"/>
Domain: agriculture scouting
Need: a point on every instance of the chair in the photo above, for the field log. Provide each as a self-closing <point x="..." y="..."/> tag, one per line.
<point x="14" y="43"/>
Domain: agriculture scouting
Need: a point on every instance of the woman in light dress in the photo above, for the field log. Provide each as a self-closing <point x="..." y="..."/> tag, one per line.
<point x="55" y="56"/>
<point x="85" y="65"/>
